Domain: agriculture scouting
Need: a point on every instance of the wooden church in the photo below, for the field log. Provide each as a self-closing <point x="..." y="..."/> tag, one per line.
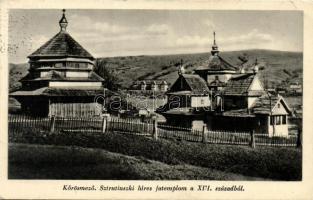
<point x="220" y="96"/>
<point x="61" y="81"/>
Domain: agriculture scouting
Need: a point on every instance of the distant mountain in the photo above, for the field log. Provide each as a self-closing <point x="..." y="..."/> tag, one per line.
<point x="279" y="67"/>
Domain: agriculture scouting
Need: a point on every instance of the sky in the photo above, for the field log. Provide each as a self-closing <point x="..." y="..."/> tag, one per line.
<point x="108" y="33"/>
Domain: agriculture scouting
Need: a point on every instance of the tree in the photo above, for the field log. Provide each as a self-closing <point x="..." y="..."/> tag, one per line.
<point x="111" y="81"/>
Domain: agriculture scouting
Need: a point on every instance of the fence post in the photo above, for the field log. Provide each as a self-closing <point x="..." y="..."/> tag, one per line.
<point x="104" y="122"/>
<point x="52" y="124"/>
<point x="252" y="143"/>
<point x="204" y="134"/>
<point x="299" y="138"/>
<point x="155" y="128"/>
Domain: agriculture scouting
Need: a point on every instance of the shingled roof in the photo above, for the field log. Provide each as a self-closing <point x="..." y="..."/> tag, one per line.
<point x="239" y="86"/>
<point x="266" y="104"/>
<point x="217" y="63"/>
<point x="190" y="82"/>
<point x="61" y="45"/>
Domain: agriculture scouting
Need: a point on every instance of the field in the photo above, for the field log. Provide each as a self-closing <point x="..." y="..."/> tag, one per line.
<point x="274" y="163"/>
<point x="68" y="162"/>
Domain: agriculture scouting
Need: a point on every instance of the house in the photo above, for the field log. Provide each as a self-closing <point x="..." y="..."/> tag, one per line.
<point x="61" y="80"/>
<point x="187" y="99"/>
<point x="295" y="88"/>
<point x="223" y="97"/>
<point x="247" y="103"/>
<point x="242" y="90"/>
<point x="150" y="85"/>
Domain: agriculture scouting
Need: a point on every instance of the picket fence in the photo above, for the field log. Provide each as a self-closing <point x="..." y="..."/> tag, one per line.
<point x="20" y="124"/>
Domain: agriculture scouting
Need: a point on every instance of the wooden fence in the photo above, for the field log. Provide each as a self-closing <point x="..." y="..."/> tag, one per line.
<point x="18" y="125"/>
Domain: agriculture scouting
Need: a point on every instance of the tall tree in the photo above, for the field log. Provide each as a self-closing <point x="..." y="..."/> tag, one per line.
<point x="111" y="80"/>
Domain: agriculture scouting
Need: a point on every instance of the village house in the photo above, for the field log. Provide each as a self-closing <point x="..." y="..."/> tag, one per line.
<point x="61" y="80"/>
<point x="150" y="85"/>
<point x="227" y="98"/>
<point x="247" y="103"/>
<point x="187" y="99"/>
<point x="295" y="88"/>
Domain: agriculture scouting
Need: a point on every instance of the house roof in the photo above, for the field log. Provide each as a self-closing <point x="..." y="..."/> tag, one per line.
<point x="57" y="76"/>
<point x="239" y="85"/>
<point x="46" y="91"/>
<point x="194" y="82"/>
<point x="217" y="63"/>
<point x="61" y="45"/>
<point x="266" y="104"/>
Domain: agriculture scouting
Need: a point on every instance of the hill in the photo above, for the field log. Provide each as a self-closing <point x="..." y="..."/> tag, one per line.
<point x="280" y="67"/>
<point x="16" y="72"/>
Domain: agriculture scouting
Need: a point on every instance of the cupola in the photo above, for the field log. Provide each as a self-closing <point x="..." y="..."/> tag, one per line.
<point x="214" y="50"/>
<point x="63" y="21"/>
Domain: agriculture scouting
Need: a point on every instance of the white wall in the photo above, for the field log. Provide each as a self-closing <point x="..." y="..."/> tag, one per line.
<point x="256" y="85"/>
<point x="79" y="74"/>
<point x="280" y="130"/>
<point x="251" y="101"/>
<point x="43" y="73"/>
<point x="279" y="109"/>
<point x="197" y="125"/>
<point x="196" y="101"/>
<point x="74" y="84"/>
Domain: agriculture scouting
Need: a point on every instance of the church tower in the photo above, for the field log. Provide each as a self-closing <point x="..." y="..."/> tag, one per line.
<point x="61" y="80"/>
<point x="214" y="50"/>
<point x="216" y="71"/>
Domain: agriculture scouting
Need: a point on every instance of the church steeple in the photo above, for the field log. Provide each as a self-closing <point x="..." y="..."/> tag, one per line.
<point x="63" y="21"/>
<point x="214" y="50"/>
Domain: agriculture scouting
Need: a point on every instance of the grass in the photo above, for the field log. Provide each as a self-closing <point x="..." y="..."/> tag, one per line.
<point x="28" y="161"/>
<point x="265" y="162"/>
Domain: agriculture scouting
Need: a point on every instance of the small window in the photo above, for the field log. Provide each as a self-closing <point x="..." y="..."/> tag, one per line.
<point x="216" y="77"/>
<point x="278" y="105"/>
<point x="202" y="101"/>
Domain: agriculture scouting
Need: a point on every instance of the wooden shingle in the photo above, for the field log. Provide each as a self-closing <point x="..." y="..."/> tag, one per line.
<point x="217" y="63"/>
<point x="61" y="45"/>
<point x="239" y="85"/>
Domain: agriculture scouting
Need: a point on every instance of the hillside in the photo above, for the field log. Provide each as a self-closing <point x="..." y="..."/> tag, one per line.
<point x="17" y="71"/>
<point x="279" y="67"/>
